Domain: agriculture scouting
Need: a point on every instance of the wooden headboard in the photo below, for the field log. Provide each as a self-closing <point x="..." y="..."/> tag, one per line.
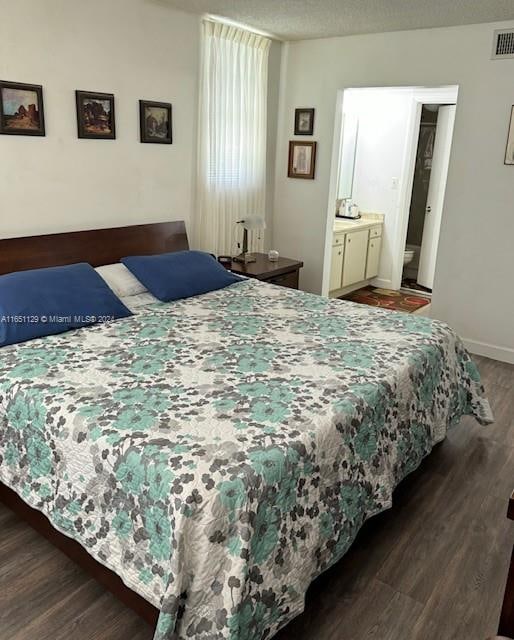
<point x="98" y="247"/>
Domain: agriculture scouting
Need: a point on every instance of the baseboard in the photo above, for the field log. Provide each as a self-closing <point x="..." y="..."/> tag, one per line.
<point x="503" y="354"/>
<point x="337" y="293"/>
<point x="382" y="283"/>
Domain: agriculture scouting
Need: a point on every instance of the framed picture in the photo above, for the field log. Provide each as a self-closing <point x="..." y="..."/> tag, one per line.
<point x="21" y="109"/>
<point x="155" y="122"/>
<point x="302" y="159"/>
<point x="303" y="122"/>
<point x="509" y="152"/>
<point x="95" y="115"/>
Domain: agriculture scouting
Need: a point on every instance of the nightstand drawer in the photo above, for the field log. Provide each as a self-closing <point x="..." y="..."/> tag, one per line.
<point x="286" y="280"/>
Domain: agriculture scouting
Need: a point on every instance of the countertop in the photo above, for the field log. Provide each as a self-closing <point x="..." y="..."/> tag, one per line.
<point x="366" y="221"/>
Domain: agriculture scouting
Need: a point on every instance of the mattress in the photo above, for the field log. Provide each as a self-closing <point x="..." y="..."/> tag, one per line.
<point x="220" y="452"/>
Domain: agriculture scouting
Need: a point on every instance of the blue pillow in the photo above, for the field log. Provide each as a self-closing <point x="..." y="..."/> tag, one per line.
<point x="42" y="302"/>
<point x="172" y="276"/>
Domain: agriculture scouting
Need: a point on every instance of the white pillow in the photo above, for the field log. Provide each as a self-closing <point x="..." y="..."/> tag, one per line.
<point x="121" y="280"/>
<point x="139" y="302"/>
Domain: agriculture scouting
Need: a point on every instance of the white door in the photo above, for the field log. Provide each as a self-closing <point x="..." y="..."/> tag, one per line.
<point x="355" y="254"/>
<point x="435" y="200"/>
<point x="336" y="267"/>
<point x="373" y="257"/>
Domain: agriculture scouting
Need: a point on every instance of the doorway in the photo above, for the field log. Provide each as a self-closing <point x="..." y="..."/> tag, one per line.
<point x="380" y="134"/>
<point x="426" y="205"/>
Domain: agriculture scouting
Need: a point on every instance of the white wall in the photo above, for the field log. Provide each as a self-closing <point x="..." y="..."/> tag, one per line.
<point x="136" y="49"/>
<point x="132" y="48"/>
<point x="475" y="259"/>
<point x="383" y="118"/>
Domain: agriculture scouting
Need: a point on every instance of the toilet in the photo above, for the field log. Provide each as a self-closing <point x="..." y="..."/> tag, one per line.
<point x="408" y="254"/>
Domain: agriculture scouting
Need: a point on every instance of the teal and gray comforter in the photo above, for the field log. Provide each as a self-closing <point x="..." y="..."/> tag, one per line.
<point x="220" y="452"/>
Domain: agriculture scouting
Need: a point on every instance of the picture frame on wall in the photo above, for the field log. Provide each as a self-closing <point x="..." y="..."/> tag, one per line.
<point x="509" y="150"/>
<point x="22" y="110"/>
<point x="155" y="122"/>
<point x="302" y="159"/>
<point x="304" y="122"/>
<point x="96" y="118"/>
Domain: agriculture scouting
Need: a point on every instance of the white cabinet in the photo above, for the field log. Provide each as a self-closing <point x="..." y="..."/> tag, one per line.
<point x="355" y="254"/>
<point x="373" y="256"/>
<point x="336" y="267"/>
<point x="355" y="258"/>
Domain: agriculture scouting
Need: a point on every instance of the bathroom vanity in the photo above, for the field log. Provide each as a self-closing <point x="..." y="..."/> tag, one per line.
<point x="356" y="247"/>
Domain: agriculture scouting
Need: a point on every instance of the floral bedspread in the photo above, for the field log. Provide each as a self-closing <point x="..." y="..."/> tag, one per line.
<point x="220" y="452"/>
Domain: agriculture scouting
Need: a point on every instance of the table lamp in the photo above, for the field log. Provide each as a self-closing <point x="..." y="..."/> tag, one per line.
<point x="251" y="223"/>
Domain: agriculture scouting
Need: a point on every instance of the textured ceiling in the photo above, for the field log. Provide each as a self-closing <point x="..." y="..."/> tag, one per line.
<point x="301" y="19"/>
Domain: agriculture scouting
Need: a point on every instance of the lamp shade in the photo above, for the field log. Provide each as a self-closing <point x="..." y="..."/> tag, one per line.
<point x="253" y="223"/>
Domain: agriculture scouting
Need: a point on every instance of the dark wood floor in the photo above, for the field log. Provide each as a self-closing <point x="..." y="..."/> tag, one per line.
<point x="431" y="568"/>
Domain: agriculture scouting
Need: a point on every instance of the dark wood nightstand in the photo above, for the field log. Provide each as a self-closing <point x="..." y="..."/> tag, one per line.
<point x="284" y="271"/>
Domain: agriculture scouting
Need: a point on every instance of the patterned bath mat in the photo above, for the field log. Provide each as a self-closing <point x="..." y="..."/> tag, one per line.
<point x="387" y="298"/>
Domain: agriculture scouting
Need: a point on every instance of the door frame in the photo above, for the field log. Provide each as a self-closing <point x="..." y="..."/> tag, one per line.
<point x="421" y="96"/>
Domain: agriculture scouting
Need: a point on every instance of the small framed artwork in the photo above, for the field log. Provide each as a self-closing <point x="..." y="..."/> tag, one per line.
<point x="303" y="122"/>
<point x="155" y="122"/>
<point x="302" y="159"/>
<point x="95" y="115"/>
<point x="21" y="109"/>
<point x="509" y="152"/>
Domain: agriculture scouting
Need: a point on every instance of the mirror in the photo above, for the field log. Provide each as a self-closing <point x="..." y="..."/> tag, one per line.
<point x="347" y="156"/>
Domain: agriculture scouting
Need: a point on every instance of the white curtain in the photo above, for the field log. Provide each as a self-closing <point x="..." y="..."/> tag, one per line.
<point x="232" y="136"/>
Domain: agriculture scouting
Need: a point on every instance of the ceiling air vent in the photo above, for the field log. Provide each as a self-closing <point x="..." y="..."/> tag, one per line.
<point x="503" y="46"/>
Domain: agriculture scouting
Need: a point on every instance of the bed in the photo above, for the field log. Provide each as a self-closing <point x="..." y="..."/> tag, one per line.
<point x="213" y="455"/>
